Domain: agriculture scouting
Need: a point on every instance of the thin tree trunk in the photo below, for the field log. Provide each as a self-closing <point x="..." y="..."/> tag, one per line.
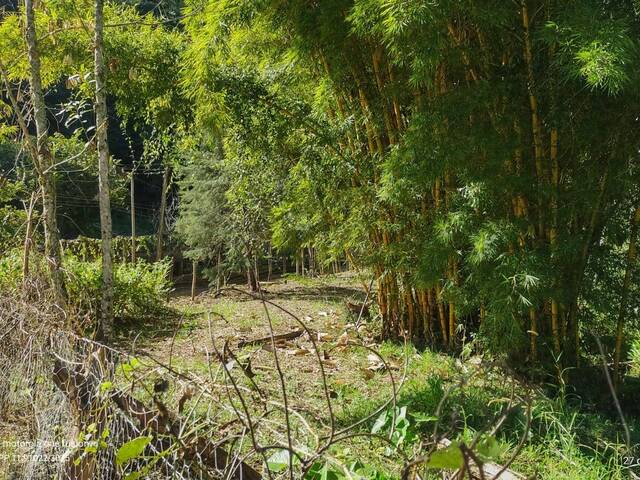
<point x="312" y="261"/>
<point x="270" y="271"/>
<point x="105" y="329"/>
<point x="219" y="270"/>
<point x="452" y="324"/>
<point x="255" y="268"/>
<point x="555" y="179"/>
<point x="536" y="123"/>
<point x="163" y="208"/>
<point x="533" y="345"/>
<point x="632" y="254"/>
<point x="573" y="332"/>
<point x="43" y="160"/>
<point x="28" y="241"/>
<point x="133" y="218"/>
<point x="194" y="279"/>
<point x="441" y="316"/>
<point x="251" y="278"/>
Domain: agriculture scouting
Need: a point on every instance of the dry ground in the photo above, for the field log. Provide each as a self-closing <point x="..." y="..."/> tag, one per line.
<point x="354" y="375"/>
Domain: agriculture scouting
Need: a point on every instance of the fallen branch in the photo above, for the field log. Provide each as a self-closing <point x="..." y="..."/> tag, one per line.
<point x="276" y="338"/>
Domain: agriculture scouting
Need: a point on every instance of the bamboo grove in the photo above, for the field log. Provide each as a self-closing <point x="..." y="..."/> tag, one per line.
<point x="479" y="157"/>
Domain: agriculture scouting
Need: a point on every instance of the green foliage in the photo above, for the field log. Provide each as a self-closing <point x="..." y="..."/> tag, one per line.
<point x="410" y="145"/>
<point x="325" y="471"/>
<point x="479" y="159"/>
<point x="12" y="219"/>
<point x="89" y="249"/>
<point x="140" y="289"/>
<point x="279" y="461"/>
<point x="396" y="425"/>
<point x="634" y="357"/>
<point x="449" y="458"/>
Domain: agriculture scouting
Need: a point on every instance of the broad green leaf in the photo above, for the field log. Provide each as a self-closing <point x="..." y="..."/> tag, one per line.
<point x="422" y="418"/>
<point x="132" y="449"/>
<point x="106" y="386"/>
<point x="323" y="471"/>
<point x="279" y="461"/>
<point x="490" y="449"/>
<point x="380" y="423"/>
<point x="449" y="457"/>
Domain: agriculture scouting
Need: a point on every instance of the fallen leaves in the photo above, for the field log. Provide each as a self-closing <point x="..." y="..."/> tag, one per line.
<point x="298" y="352"/>
<point x="377" y="365"/>
<point x="343" y="340"/>
<point x="323" y="337"/>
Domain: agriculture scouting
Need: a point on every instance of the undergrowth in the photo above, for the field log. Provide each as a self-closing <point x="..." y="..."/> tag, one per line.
<point x="140" y="289"/>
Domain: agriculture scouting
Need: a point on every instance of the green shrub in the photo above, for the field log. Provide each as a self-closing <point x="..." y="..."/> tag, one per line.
<point x="634" y="357"/>
<point x="12" y="219"/>
<point x="140" y="289"/>
<point x="11" y="269"/>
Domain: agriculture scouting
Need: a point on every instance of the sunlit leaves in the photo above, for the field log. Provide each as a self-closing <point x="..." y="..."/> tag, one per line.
<point x="131" y="450"/>
<point x="598" y="50"/>
<point x="603" y="66"/>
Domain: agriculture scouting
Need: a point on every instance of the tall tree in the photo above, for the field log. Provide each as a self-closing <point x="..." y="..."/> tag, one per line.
<point x="43" y="159"/>
<point x="162" y="214"/>
<point x="105" y="328"/>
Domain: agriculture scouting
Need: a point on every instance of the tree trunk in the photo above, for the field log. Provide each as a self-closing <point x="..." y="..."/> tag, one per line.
<point x="219" y="270"/>
<point x="133" y="218"/>
<point x="256" y="272"/>
<point x="533" y="334"/>
<point x="43" y="161"/>
<point x="27" y="242"/>
<point x="163" y="208"/>
<point x="251" y="278"/>
<point x="632" y="254"/>
<point x="312" y="262"/>
<point x="592" y="235"/>
<point x="194" y="279"/>
<point x="105" y="328"/>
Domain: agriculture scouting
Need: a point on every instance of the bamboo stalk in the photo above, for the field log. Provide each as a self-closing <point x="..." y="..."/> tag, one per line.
<point x="632" y="254"/>
<point x="533" y="334"/>
<point x="536" y="124"/>
<point x="441" y="316"/>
